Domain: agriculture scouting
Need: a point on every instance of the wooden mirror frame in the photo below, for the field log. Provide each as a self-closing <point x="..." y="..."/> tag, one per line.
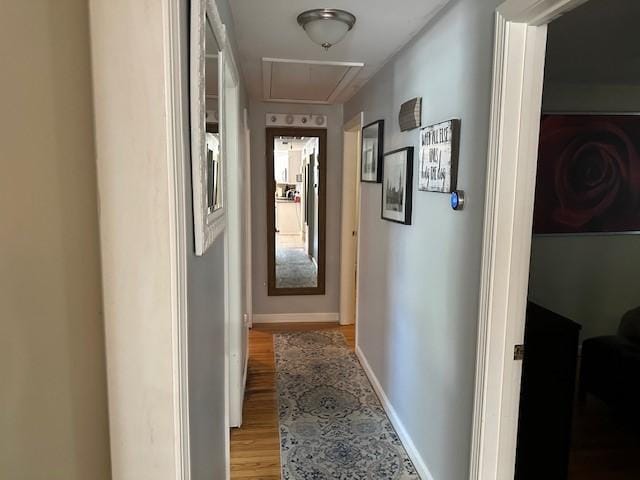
<point x="271" y="135"/>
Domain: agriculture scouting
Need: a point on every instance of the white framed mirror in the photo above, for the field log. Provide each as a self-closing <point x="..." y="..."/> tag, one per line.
<point x="207" y="42"/>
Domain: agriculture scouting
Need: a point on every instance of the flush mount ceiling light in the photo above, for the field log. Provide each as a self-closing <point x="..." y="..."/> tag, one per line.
<point x="326" y="26"/>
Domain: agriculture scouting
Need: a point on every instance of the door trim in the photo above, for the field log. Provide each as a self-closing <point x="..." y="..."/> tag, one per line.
<point x="350" y="190"/>
<point x="177" y="140"/>
<point x="231" y="117"/>
<point x="519" y="53"/>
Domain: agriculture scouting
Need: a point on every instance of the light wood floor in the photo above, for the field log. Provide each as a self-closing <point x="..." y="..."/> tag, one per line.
<point x="255" y="447"/>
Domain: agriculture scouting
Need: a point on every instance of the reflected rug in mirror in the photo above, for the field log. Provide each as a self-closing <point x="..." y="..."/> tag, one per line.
<point x="332" y="425"/>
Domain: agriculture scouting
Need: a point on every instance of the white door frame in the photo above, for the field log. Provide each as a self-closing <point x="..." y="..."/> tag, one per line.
<point x="518" y="71"/>
<point x="177" y="140"/>
<point x="230" y="127"/>
<point x="248" y="259"/>
<point x="350" y="226"/>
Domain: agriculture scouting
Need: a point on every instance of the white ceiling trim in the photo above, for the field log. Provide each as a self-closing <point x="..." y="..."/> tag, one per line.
<point x="352" y="70"/>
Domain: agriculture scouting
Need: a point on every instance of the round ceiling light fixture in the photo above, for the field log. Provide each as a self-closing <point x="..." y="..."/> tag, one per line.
<point x="326" y="26"/>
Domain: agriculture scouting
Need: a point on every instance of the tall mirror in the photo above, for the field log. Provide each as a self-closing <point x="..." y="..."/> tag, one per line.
<point x="296" y="199"/>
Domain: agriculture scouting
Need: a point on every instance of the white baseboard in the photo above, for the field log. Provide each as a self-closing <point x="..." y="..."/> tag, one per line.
<point x="296" y="318"/>
<point x="407" y="442"/>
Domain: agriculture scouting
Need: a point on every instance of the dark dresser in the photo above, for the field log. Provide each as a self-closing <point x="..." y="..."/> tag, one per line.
<point x="547" y="395"/>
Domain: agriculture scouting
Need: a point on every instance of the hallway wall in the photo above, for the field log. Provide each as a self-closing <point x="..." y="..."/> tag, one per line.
<point x="328" y="303"/>
<point x="206" y="290"/>
<point x="419" y="284"/>
<point x="53" y="397"/>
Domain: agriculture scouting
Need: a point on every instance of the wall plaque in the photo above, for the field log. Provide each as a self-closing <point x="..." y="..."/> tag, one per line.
<point x="410" y="114"/>
<point x="439" y="149"/>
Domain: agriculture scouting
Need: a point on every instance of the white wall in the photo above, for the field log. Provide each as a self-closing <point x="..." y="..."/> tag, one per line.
<point x="53" y="398"/>
<point x="590" y="279"/>
<point x="328" y="303"/>
<point x="419" y="284"/>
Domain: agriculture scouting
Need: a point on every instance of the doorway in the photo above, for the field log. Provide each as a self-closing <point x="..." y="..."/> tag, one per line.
<point x="518" y="68"/>
<point x="352" y="138"/>
<point x="581" y="314"/>
<point x="519" y="61"/>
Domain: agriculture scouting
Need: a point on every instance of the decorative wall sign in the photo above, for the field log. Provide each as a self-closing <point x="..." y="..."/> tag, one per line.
<point x="439" y="149"/>
<point x="372" y="148"/>
<point x="410" y="114"/>
<point x="588" y="174"/>
<point x="397" y="185"/>
<point x="296" y="120"/>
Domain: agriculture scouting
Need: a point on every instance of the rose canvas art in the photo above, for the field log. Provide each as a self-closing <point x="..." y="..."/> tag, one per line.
<point x="588" y="177"/>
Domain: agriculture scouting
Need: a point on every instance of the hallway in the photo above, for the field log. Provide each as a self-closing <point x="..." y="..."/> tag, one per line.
<point x="255" y="450"/>
<point x="197" y="193"/>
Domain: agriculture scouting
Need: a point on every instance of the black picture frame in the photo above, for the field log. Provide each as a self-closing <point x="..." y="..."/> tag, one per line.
<point x="403" y="179"/>
<point x="378" y="149"/>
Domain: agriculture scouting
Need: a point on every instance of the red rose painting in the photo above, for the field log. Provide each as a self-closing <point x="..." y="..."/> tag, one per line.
<point x="588" y="174"/>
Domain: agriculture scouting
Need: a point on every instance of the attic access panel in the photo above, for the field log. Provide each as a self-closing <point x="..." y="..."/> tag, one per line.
<point x="306" y="81"/>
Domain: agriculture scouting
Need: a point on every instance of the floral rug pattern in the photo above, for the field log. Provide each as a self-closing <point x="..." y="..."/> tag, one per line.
<point x="332" y="426"/>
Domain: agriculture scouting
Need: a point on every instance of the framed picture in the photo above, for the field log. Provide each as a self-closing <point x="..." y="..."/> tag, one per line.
<point x="372" y="148"/>
<point x="397" y="184"/>
<point x="588" y="178"/>
<point x="439" y="150"/>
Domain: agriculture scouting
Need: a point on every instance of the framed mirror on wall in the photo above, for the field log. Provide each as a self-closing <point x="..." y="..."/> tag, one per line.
<point x="296" y="215"/>
<point x="207" y="112"/>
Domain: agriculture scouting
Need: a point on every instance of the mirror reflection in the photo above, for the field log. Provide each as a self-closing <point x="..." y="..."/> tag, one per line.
<point x="296" y="171"/>
<point x="214" y="159"/>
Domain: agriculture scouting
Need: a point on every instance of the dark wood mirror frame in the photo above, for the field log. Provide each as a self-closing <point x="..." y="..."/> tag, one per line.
<point x="271" y="135"/>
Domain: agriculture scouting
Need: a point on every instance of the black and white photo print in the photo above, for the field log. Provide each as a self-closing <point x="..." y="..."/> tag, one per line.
<point x="397" y="184"/>
<point x="372" y="148"/>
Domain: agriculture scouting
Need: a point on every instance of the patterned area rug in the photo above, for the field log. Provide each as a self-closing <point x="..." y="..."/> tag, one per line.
<point x="294" y="268"/>
<point x="332" y="425"/>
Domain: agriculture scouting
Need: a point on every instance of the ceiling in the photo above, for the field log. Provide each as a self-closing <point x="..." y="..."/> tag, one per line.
<point x="267" y="29"/>
<point x="595" y="43"/>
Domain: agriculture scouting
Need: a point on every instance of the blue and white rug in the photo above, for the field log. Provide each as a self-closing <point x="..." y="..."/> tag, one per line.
<point x="332" y="426"/>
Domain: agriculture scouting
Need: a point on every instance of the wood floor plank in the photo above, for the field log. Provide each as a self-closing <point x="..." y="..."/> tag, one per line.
<point x="255" y="447"/>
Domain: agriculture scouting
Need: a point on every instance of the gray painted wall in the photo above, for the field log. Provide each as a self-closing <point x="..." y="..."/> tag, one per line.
<point x="590" y="279"/>
<point x="262" y="303"/>
<point x="206" y="299"/>
<point x="419" y="284"/>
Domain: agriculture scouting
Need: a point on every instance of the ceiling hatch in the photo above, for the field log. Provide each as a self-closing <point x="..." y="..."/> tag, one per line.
<point x="306" y="81"/>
